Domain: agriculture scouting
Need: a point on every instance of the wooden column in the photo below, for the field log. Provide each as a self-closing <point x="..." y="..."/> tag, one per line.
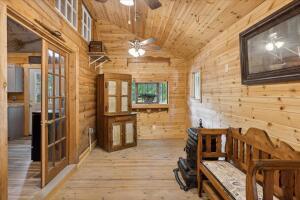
<point x="3" y="102"/>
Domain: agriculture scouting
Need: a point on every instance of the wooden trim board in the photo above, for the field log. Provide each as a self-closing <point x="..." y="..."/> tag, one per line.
<point x="86" y="153"/>
<point x="3" y="103"/>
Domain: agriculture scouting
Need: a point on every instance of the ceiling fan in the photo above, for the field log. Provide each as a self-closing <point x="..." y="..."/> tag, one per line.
<point x="153" y="4"/>
<point x="19" y="44"/>
<point x="137" y="47"/>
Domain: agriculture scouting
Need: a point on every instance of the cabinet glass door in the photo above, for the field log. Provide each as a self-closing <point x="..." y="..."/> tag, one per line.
<point x="116" y="134"/>
<point x="124" y="96"/>
<point x="112" y="96"/>
<point x="129" y="132"/>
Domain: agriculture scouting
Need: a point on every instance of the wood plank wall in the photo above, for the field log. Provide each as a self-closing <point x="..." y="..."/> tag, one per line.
<point x="274" y="108"/>
<point x="154" y="125"/>
<point x="45" y="12"/>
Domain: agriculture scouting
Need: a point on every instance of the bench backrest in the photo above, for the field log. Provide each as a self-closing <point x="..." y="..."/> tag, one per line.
<point x="256" y="144"/>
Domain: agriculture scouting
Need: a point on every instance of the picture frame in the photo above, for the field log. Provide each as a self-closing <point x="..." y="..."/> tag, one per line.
<point x="270" y="49"/>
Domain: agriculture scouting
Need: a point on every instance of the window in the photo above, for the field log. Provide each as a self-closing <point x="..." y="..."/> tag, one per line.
<point x="86" y="24"/>
<point x="196" y="89"/>
<point x="150" y="93"/>
<point x="68" y="8"/>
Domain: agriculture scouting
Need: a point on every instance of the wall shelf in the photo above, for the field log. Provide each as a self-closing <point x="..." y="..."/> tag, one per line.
<point x="150" y="107"/>
<point x="98" y="59"/>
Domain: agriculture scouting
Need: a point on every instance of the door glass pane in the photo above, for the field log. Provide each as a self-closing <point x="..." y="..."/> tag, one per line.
<point x="50" y="157"/>
<point x="116" y="135"/>
<point x="56" y="108"/>
<point x="112" y="87"/>
<point x="57" y="153"/>
<point x="63" y="112"/>
<point x="56" y="86"/>
<point x="50" y="61"/>
<point x="63" y="149"/>
<point x="124" y="106"/>
<point x="51" y="133"/>
<point x="124" y="88"/>
<point x="129" y="130"/>
<point x="50" y="85"/>
<point x="62" y="65"/>
<point x="58" y="133"/>
<point x="112" y="101"/>
<point x="50" y="109"/>
<point x="56" y="63"/>
<point x="62" y="85"/>
<point x="63" y="127"/>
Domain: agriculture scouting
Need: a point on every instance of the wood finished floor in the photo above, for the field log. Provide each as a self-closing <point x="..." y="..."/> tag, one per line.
<point x="140" y="173"/>
<point x="23" y="174"/>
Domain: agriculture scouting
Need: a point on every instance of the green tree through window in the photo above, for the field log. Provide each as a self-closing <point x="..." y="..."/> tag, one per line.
<point x="150" y="93"/>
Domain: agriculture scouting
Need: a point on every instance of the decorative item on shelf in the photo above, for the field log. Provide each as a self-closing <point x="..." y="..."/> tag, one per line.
<point x="97" y="54"/>
<point x="97" y="46"/>
<point x="270" y="50"/>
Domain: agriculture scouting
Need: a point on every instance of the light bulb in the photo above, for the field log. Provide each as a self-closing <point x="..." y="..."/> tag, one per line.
<point x="133" y="52"/>
<point x="269" y="46"/>
<point x="141" y="52"/>
<point x="279" y="44"/>
<point x="127" y="2"/>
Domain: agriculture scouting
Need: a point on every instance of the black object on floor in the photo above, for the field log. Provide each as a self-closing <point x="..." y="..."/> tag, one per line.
<point x="187" y="167"/>
<point x="36" y="136"/>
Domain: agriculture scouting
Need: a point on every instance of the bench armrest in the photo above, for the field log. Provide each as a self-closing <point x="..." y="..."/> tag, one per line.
<point x="266" y="165"/>
<point x="209" y="135"/>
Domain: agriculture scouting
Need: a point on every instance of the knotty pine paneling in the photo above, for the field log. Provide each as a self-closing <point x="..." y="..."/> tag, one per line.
<point x="154" y="125"/>
<point x="85" y="114"/>
<point x="274" y="108"/>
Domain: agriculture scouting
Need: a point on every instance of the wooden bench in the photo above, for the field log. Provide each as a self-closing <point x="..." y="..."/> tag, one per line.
<point x="253" y="167"/>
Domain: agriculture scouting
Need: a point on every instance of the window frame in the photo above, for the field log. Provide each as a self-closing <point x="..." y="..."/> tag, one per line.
<point x="197" y="85"/>
<point x="65" y="15"/>
<point x="136" y="83"/>
<point x="89" y="29"/>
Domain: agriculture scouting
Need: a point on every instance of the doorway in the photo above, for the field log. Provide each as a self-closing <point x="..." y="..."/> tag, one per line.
<point x="37" y="110"/>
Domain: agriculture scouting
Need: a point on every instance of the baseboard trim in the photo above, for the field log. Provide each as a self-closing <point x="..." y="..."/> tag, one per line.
<point x="56" y="183"/>
<point x="86" y="153"/>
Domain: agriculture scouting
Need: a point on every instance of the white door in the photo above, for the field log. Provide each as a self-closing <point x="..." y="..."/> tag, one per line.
<point x="34" y="93"/>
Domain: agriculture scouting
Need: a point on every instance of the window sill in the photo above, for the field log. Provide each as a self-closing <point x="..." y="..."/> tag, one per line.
<point x="150" y="107"/>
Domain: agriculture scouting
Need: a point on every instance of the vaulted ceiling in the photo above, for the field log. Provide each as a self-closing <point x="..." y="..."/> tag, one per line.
<point x="181" y="26"/>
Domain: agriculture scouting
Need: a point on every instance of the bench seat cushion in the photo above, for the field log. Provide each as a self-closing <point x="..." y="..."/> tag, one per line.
<point x="231" y="178"/>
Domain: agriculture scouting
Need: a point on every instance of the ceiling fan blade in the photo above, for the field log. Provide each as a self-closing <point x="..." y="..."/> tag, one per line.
<point x="101" y="1"/>
<point x="152" y="48"/>
<point x="153" y="4"/>
<point x="148" y="41"/>
<point x="32" y="41"/>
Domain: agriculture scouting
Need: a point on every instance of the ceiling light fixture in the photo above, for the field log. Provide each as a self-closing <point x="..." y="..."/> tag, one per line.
<point x="136" y="52"/>
<point x="127" y="2"/>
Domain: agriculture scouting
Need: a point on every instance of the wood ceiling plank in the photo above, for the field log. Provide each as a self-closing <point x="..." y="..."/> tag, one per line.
<point x="183" y="27"/>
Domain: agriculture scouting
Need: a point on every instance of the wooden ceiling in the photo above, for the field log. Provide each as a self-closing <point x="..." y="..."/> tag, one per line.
<point x="181" y="26"/>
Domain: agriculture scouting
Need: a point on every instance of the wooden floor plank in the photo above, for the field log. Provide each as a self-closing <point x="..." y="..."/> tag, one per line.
<point x="23" y="174"/>
<point x="140" y="173"/>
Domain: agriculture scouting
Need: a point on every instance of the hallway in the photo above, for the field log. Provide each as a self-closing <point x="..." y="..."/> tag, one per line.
<point x="143" y="172"/>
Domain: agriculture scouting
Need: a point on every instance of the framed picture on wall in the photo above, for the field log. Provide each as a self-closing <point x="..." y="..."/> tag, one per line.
<point x="197" y="85"/>
<point x="270" y="50"/>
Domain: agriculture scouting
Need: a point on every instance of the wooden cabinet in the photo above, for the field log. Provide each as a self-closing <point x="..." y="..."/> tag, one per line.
<point x="116" y="124"/>
<point x="15" y="122"/>
<point x="15" y="79"/>
<point x="114" y="95"/>
<point x="117" y="132"/>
